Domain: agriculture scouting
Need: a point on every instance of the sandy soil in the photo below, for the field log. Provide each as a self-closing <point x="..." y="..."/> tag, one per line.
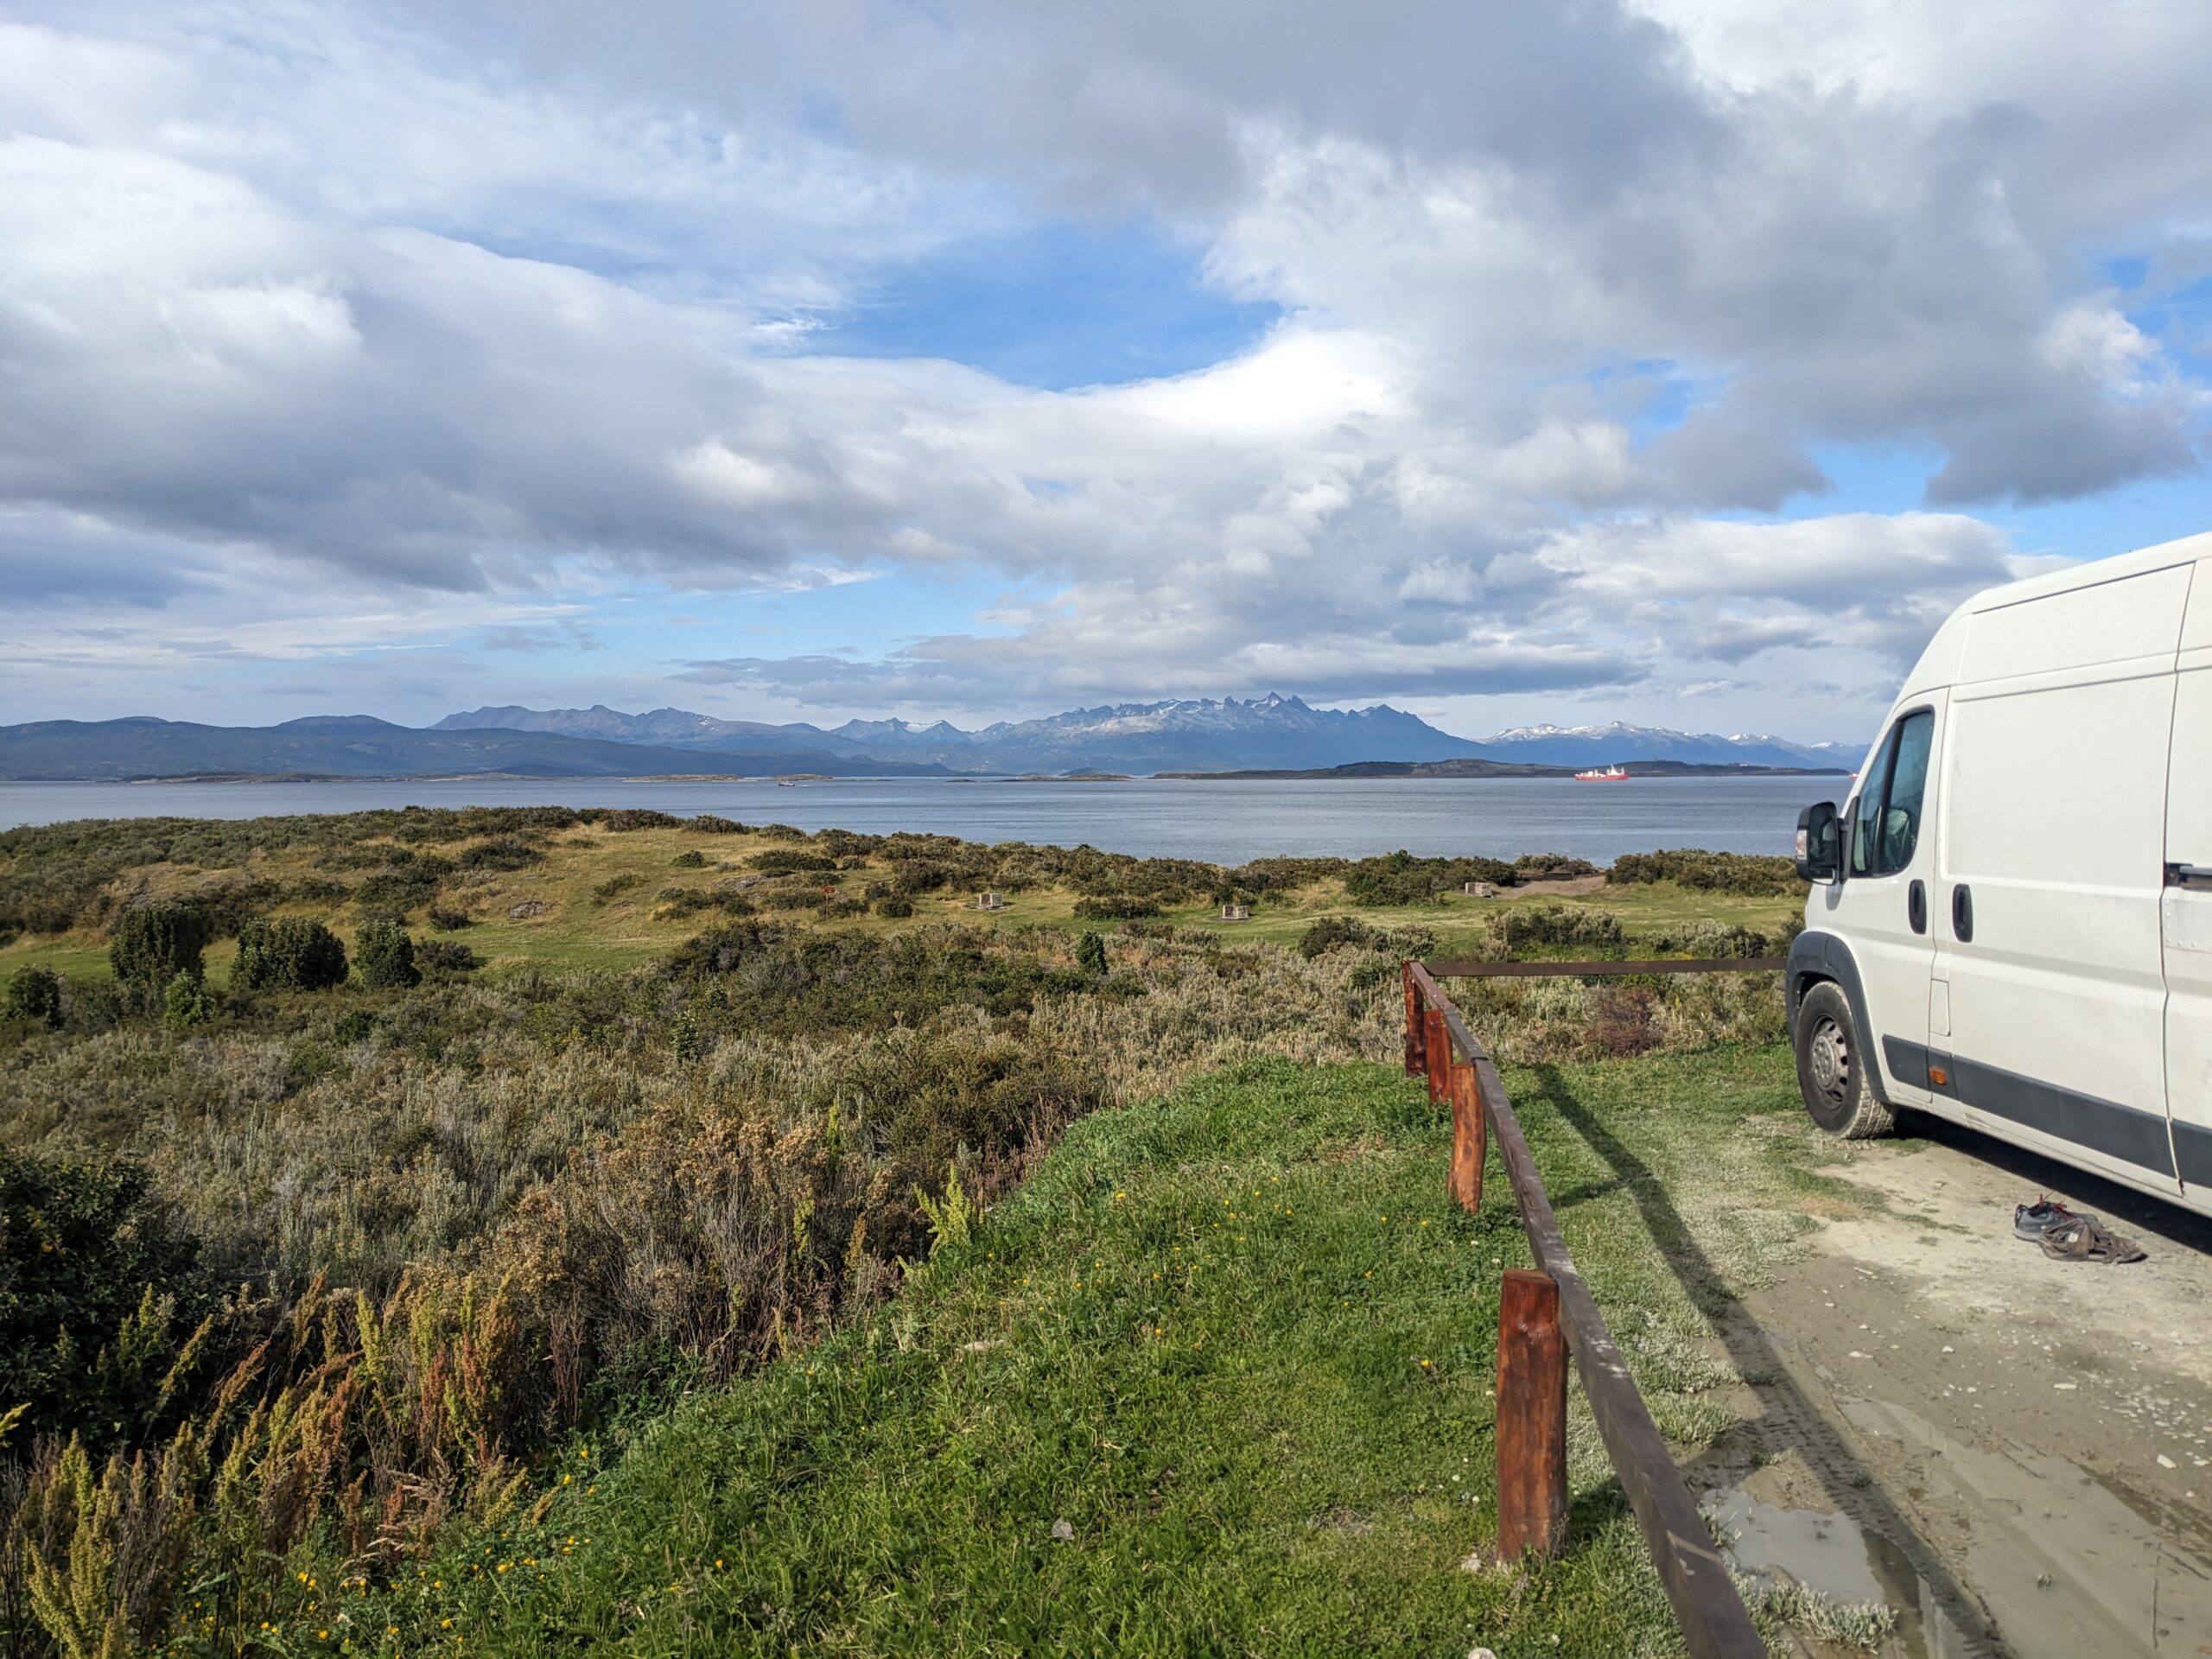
<point x="1556" y="887"/>
<point x="2016" y="1451"/>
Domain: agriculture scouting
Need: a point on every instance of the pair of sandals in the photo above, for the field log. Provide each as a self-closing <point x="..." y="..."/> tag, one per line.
<point x="2069" y="1236"/>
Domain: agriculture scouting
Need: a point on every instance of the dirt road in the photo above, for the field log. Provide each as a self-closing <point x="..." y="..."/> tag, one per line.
<point x="2014" y="1452"/>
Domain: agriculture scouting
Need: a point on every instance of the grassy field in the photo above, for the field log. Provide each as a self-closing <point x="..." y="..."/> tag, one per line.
<point x="1216" y="1380"/>
<point x="593" y="899"/>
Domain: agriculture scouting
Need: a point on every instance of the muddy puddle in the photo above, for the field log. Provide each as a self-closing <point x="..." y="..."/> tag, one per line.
<point x="1843" y="1563"/>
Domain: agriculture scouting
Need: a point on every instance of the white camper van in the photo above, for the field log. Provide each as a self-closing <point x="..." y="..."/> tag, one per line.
<point x="2011" y="923"/>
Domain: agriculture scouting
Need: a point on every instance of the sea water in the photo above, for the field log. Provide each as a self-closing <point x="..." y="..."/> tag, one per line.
<point x="1217" y="821"/>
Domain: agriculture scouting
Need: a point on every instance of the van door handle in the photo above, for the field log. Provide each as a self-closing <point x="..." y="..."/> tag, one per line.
<point x="1962" y="913"/>
<point x="1915" y="905"/>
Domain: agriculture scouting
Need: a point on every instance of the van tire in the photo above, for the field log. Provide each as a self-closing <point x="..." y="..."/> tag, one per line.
<point x="1832" y="1064"/>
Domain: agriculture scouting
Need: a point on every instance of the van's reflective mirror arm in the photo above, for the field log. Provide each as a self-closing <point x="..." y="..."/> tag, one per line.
<point x="1819" y="846"/>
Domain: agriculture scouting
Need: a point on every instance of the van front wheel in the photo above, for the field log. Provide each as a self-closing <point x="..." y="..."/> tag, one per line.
<point x="1831" y="1067"/>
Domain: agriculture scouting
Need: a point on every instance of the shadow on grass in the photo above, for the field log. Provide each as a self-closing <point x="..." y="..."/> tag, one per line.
<point x="1786" y="1417"/>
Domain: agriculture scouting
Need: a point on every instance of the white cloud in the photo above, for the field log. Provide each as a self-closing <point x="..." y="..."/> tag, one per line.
<point x="514" y="302"/>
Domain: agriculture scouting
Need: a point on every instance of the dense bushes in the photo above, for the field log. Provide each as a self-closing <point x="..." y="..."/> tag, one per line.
<point x="94" y="1275"/>
<point x="385" y="954"/>
<point x="292" y="953"/>
<point x="1520" y="930"/>
<point x="153" y="944"/>
<point x="1334" y="933"/>
<point x="1745" y="872"/>
<point x="1401" y="878"/>
<point x="797" y="982"/>
<point x="34" y="994"/>
<point x="1709" y="941"/>
<point x="1113" y="908"/>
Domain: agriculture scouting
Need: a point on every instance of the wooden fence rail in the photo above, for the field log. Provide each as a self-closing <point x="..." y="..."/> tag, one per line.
<point x="1533" y="1322"/>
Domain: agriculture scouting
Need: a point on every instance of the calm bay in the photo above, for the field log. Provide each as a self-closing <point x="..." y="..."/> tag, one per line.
<point x="1220" y="821"/>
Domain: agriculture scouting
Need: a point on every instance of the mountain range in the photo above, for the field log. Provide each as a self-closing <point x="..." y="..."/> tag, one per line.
<point x="1200" y="735"/>
<point x="1191" y="735"/>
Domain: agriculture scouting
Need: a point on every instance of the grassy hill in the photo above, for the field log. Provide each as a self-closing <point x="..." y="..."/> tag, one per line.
<point x="1216" y="1379"/>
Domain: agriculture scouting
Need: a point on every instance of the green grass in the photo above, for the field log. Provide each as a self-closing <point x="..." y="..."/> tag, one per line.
<point x="1238" y="1340"/>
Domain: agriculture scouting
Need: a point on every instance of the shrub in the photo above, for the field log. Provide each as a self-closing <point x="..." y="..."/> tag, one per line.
<point x="782" y="832"/>
<point x="385" y="954"/>
<point x="1624" y="1021"/>
<point x="1113" y="906"/>
<point x="1690" y="867"/>
<point x="444" y="958"/>
<point x="449" y="921"/>
<point x="501" y="853"/>
<point x="94" y="1274"/>
<point x="617" y="884"/>
<point x="639" y="817"/>
<point x="782" y="861"/>
<point x="797" y="896"/>
<point x="1557" y="925"/>
<point x="706" y="824"/>
<point x="1712" y="940"/>
<point x="1334" y="933"/>
<point x="186" y="1003"/>
<point x="292" y="953"/>
<point x="690" y="901"/>
<point x="1090" y="955"/>
<point x="895" y="905"/>
<point x="151" y="944"/>
<point x="35" y="994"/>
<point x="1401" y="878"/>
<point x="690" y="859"/>
<point x="1543" y="867"/>
<point x="403" y="887"/>
<point x="355" y="1025"/>
<point x="835" y="909"/>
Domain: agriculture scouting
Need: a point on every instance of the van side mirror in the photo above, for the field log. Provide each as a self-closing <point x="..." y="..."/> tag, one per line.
<point x="1819" y="856"/>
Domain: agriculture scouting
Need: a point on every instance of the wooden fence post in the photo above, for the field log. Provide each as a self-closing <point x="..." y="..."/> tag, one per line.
<point x="1416" y="1057"/>
<point x="1436" y="1044"/>
<point x="1469" y="1135"/>
<point x="1531" y="1418"/>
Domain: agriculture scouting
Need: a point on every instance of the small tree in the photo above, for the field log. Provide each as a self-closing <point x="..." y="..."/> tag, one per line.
<point x="151" y="944"/>
<point x="186" y="1002"/>
<point x="35" y="994"/>
<point x="290" y="953"/>
<point x="385" y="954"/>
<point x="1090" y="955"/>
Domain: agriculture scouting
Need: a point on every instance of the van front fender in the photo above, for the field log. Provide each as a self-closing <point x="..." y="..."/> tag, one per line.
<point x="1815" y="955"/>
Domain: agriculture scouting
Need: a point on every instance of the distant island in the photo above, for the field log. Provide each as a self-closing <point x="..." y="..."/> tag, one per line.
<point x="1473" y="767"/>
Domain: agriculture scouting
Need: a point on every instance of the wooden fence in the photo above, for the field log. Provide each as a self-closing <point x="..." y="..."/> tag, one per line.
<point x="1547" y="1315"/>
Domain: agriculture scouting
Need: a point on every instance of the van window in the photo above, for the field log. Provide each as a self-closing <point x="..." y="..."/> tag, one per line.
<point x="1866" y="811"/>
<point x="1885" y="818"/>
<point x="1907" y="789"/>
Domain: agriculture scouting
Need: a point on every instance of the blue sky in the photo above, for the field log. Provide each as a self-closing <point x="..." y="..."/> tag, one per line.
<point x="982" y="360"/>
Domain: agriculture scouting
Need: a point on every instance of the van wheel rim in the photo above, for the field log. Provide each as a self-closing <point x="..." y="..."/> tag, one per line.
<point x="1829" y="1059"/>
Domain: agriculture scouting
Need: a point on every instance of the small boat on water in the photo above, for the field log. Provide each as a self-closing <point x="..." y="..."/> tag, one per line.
<point x="1615" y="773"/>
